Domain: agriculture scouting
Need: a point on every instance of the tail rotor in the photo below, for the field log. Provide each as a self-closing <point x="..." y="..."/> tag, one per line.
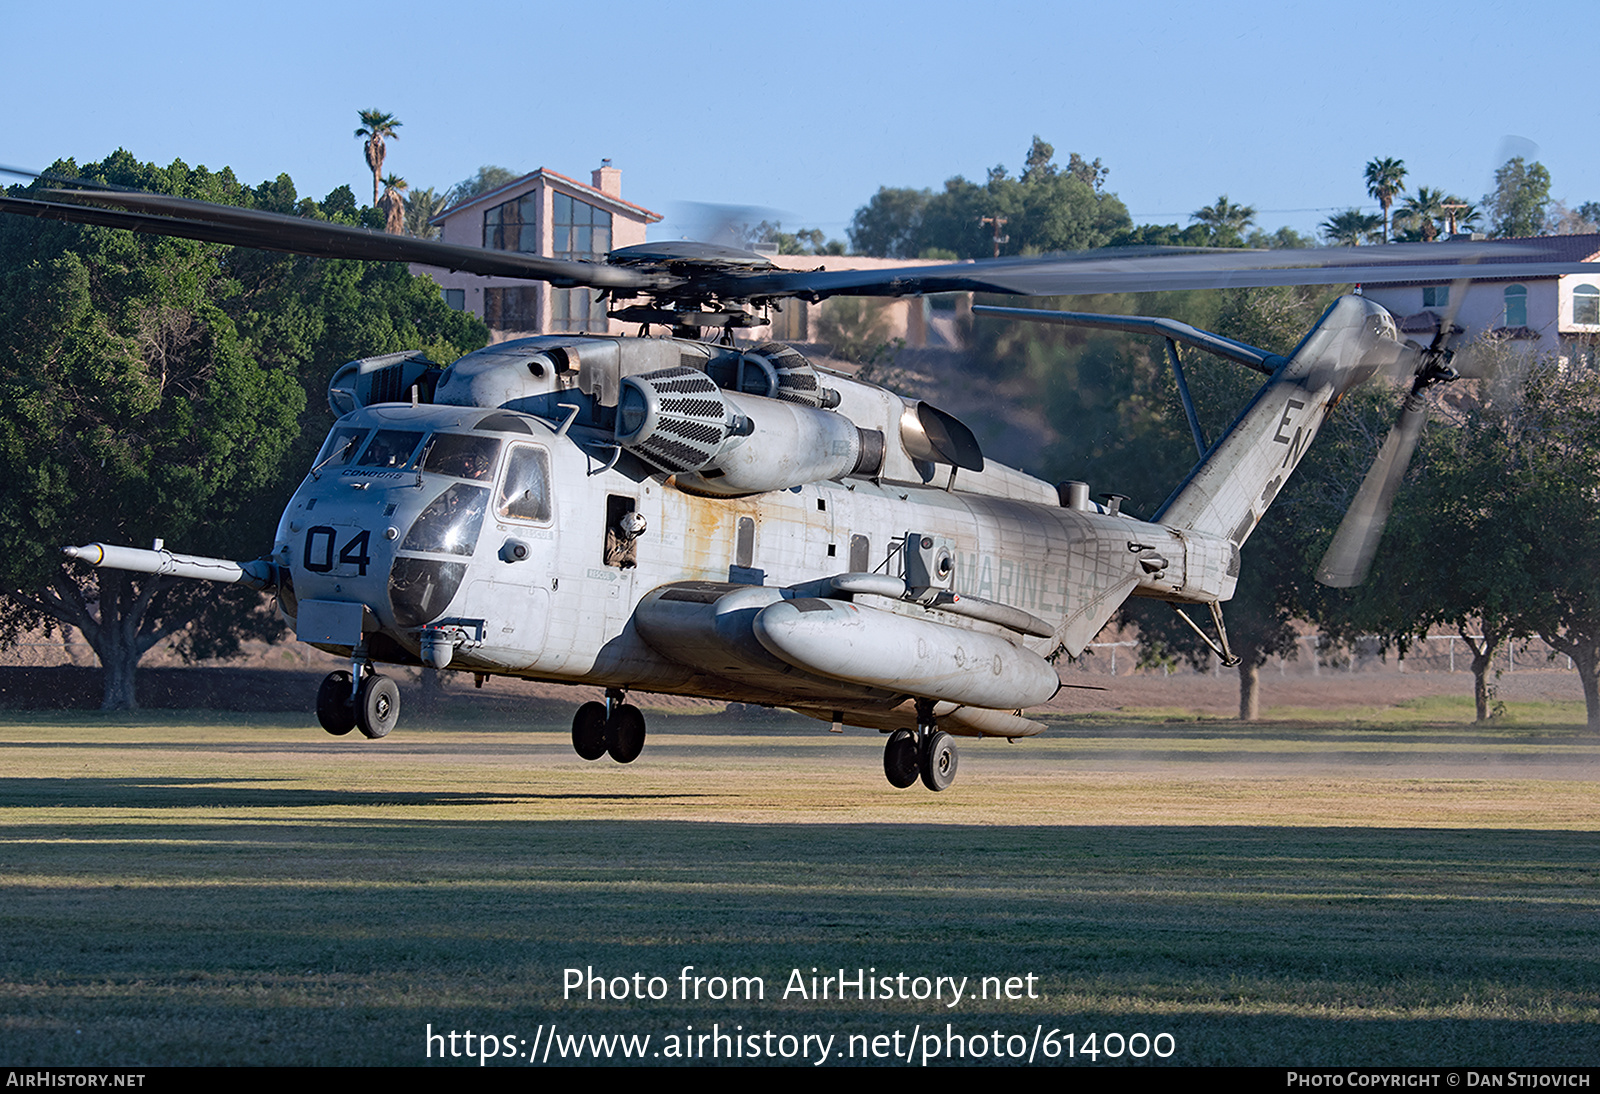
<point x="1349" y="557"/>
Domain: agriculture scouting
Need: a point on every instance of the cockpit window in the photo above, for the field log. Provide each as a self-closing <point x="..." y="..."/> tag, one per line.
<point x="341" y="445"/>
<point x="525" y="493"/>
<point x="462" y="457"/>
<point x="450" y="523"/>
<point x="390" y="448"/>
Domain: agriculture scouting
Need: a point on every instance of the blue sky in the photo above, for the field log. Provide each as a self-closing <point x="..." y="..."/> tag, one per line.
<point x="807" y="109"/>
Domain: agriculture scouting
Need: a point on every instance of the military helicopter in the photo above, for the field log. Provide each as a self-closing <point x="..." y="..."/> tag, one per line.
<point x="688" y="515"/>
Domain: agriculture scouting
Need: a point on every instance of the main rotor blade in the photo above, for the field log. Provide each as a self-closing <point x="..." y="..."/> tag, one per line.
<point x="703" y="276"/>
<point x="1134" y="270"/>
<point x="163" y="214"/>
<point x="1349" y="556"/>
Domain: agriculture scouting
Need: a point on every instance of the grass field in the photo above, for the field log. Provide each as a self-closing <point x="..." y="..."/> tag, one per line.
<point x="208" y="889"/>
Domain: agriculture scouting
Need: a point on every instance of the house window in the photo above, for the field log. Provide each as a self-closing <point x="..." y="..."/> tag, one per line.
<point x="1516" y="306"/>
<point x="1436" y="296"/>
<point x="511" y="309"/>
<point x="581" y="230"/>
<point x="577" y="310"/>
<point x="582" y="233"/>
<point x="513" y="226"/>
<point x="1586" y="305"/>
<point x="455" y="299"/>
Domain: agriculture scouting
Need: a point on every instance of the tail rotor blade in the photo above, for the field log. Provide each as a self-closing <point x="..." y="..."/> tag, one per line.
<point x="1349" y="556"/>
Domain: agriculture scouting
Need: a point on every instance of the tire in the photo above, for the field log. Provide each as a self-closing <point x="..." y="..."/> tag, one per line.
<point x="378" y="706"/>
<point x="625" y="734"/>
<point x="939" y="760"/>
<point x="589" y="731"/>
<point x="900" y="759"/>
<point x="334" y="710"/>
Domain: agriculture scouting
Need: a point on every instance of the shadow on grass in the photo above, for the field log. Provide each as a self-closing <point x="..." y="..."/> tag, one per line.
<point x="341" y="941"/>
<point x="168" y="792"/>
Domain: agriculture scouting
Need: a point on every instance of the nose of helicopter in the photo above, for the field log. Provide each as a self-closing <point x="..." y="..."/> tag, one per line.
<point x="401" y="549"/>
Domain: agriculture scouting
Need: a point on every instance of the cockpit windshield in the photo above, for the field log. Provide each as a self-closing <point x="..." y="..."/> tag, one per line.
<point x="340" y="447"/>
<point x="525" y="493"/>
<point x="461" y="457"/>
<point x="451" y="522"/>
<point x="390" y="448"/>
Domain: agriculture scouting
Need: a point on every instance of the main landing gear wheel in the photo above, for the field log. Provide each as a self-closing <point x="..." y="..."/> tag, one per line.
<point x="589" y="731"/>
<point x="900" y="759"/>
<point x="334" y="710"/>
<point x="595" y="731"/>
<point x="625" y="734"/>
<point x="938" y="760"/>
<point x="377" y="705"/>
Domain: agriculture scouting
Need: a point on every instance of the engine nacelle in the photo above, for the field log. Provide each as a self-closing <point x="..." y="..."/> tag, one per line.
<point x="729" y="444"/>
<point x="390" y="378"/>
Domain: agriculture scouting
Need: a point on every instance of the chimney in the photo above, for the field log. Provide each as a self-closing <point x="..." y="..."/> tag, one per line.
<point x="607" y="179"/>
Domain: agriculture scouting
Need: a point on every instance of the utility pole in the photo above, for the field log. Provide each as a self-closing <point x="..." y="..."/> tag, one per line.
<point x="998" y="223"/>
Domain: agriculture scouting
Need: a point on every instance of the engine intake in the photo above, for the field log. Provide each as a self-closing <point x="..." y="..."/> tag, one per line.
<point x="728" y="443"/>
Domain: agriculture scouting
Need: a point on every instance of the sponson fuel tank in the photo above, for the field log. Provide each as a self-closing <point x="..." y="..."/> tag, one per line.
<point x="887" y="650"/>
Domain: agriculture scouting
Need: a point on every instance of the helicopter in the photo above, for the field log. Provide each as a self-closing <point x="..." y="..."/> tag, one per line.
<point x="686" y="514"/>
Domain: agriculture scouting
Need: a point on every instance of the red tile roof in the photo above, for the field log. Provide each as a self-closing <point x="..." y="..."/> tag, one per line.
<point x="599" y="197"/>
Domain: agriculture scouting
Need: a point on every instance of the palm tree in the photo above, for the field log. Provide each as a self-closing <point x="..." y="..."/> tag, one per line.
<point x="1385" y="179"/>
<point x="1421" y="213"/>
<point x="377" y="127"/>
<point x="393" y="204"/>
<point x="1224" y="220"/>
<point x="421" y="207"/>
<point x="1351" y="228"/>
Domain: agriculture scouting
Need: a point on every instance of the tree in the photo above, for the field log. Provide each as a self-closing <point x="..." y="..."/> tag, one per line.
<point x="421" y="207"/>
<point x="1518" y="203"/>
<point x="1225" y="222"/>
<point x="1284" y="239"/>
<point x="890" y="225"/>
<point x="1046" y="209"/>
<point x="393" y="204"/>
<point x="1162" y="235"/>
<point x="806" y="241"/>
<point x="1385" y="181"/>
<point x="154" y="387"/>
<point x="1350" y="228"/>
<point x="488" y="177"/>
<point x="131" y="407"/>
<point x="377" y="127"/>
<point x="1274" y="574"/>
<point x="1461" y="501"/>
<point x="1420" y="216"/>
<point x="1556" y="438"/>
<point x="1564" y="221"/>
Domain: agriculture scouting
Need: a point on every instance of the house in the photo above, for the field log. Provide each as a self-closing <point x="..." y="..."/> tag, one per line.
<point x="549" y="214"/>
<point x="543" y="213"/>
<point x="1557" y="315"/>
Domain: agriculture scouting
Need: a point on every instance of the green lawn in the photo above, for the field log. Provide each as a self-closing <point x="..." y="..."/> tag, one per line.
<point x="189" y="889"/>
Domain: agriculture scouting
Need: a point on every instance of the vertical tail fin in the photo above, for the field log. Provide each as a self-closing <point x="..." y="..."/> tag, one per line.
<point x="1229" y="490"/>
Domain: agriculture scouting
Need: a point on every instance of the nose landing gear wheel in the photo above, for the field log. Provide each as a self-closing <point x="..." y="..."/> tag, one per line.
<point x="625" y="734"/>
<point x="589" y="731"/>
<point x="377" y="705"/>
<point x="334" y="711"/>
<point x="938" y="760"/>
<point x="900" y="759"/>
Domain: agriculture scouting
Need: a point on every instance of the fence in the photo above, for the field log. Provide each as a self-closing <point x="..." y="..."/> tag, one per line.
<point x="1436" y="653"/>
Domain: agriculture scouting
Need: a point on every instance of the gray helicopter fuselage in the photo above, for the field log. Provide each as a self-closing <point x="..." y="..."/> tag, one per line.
<point x="705" y="519"/>
<point x="676" y="516"/>
<point x="535" y="594"/>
